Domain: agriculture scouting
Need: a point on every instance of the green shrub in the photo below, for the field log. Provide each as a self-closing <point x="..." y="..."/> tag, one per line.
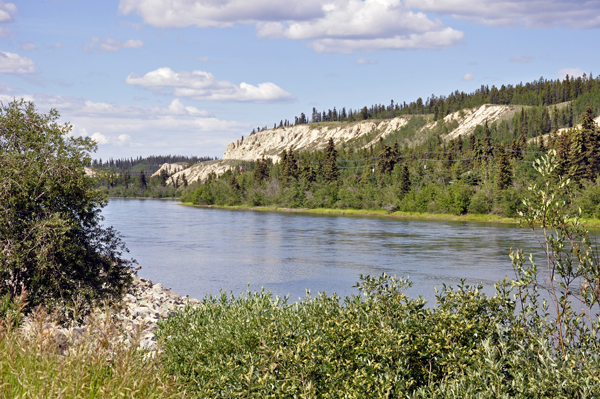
<point x="53" y="243"/>
<point x="379" y="345"/>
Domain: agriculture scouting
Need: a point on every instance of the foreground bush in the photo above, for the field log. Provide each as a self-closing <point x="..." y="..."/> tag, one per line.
<point x="53" y="244"/>
<point x="381" y="344"/>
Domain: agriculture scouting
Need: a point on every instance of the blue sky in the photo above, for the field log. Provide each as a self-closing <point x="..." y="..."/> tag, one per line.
<point x="149" y="77"/>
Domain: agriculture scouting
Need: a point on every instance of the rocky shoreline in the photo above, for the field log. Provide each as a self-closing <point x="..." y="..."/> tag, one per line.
<point x="135" y="321"/>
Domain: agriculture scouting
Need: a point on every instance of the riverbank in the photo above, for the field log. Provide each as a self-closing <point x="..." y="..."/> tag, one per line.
<point x="482" y="218"/>
<point x="368" y="213"/>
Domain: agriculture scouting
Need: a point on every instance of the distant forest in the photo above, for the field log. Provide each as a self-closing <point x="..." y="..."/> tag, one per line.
<point x="541" y="92"/>
<point x="148" y="165"/>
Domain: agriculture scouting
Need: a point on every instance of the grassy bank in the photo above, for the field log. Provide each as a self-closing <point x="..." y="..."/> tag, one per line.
<point x="482" y="218"/>
<point x="370" y="213"/>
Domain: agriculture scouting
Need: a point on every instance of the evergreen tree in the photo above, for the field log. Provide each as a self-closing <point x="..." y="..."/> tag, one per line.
<point x="387" y="159"/>
<point x="233" y="183"/>
<point x="306" y="171"/>
<point x="142" y="180"/>
<point x="591" y="135"/>
<point x="577" y="155"/>
<point x="331" y="171"/>
<point x="405" y="183"/>
<point x="163" y="177"/>
<point x="503" y="170"/>
<point x="126" y="179"/>
<point x="184" y="179"/>
<point x="261" y="170"/>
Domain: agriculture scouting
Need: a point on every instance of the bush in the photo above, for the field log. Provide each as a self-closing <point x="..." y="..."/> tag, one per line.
<point x="381" y="344"/>
<point x="53" y="244"/>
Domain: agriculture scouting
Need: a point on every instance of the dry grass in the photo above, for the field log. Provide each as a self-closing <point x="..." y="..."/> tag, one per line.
<point x="39" y="362"/>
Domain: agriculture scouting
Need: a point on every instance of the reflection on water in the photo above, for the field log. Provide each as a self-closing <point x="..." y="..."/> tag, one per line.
<point x="197" y="250"/>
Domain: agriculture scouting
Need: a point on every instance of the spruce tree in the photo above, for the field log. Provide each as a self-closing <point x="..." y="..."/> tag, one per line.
<point x="261" y="170"/>
<point x="331" y="171"/>
<point x="591" y="135"/>
<point x="184" y="179"/>
<point x="142" y="180"/>
<point x="163" y="177"/>
<point x="306" y="171"/>
<point x="577" y="155"/>
<point x="503" y="170"/>
<point x="405" y="180"/>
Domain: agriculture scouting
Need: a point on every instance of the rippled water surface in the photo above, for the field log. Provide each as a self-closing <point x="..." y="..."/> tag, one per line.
<point x="195" y="251"/>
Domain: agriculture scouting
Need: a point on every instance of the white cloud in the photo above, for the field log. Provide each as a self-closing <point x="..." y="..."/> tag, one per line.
<point x="201" y="85"/>
<point x="341" y="26"/>
<point x="572" y="72"/>
<point x="144" y="130"/>
<point x="111" y="45"/>
<point x="27" y="46"/>
<point x="522" y="59"/>
<point x="362" y="61"/>
<point x="14" y="63"/>
<point x="7" y="10"/>
<point x="537" y="13"/>
<point x="468" y="77"/>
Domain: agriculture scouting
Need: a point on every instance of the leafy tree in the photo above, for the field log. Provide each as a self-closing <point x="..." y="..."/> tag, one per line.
<point x="53" y="244"/>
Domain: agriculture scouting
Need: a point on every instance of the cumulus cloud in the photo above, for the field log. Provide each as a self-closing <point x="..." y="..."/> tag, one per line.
<point x="7" y="10"/>
<point x="341" y="26"/>
<point x="572" y="72"/>
<point x="111" y="45"/>
<point x="363" y="61"/>
<point x="468" y="77"/>
<point x="537" y="13"/>
<point x="522" y="59"/>
<point x="201" y="85"/>
<point x="129" y="130"/>
<point x="14" y="63"/>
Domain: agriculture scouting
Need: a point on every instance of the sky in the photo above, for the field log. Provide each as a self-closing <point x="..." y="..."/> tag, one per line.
<point x="186" y="77"/>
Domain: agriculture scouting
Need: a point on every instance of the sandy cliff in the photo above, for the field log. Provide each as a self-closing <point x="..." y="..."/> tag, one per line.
<point x="170" y="168"/>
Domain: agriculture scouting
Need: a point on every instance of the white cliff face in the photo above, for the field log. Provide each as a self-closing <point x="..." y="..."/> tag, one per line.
<point x="271" y="142"/>
<point x="170" y="168"/>
<point x="468" y="119"/>
<point x="200" y="171"/>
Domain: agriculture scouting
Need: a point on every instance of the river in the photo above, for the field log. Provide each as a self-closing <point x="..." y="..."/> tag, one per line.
<point x="196" y="251"/>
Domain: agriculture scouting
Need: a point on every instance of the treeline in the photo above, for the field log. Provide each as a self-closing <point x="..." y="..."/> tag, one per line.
<point x="149" y="164"/>
<point x="486" y="172"/>
<point x="541" y="92"/>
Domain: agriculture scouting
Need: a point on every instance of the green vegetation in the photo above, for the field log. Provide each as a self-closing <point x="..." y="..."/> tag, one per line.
<point x="383" y="344"/>
<point x="53" y="245"/>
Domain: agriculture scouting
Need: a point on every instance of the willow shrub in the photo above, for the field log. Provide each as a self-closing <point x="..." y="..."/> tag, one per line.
<point x="378" y="344"/>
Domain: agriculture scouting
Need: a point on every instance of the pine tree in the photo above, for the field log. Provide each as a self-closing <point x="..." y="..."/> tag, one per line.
<point x="503" y="170"/>
<point x="126" y="179"/>
<point x="306" y="171"/>
<point x="331" y="171"/>
<point x="142" y="180"/>
<point x="184" y="179"/>
<point x="577" y="155"/>
<point x="405" y="180"/>
<point x="261" y="170"/>
<point x="592" y="138"/>
<point x="163" y="177"/>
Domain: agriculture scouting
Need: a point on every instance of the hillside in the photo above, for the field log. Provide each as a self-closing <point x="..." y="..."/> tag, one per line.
<point x="310" y="137"/>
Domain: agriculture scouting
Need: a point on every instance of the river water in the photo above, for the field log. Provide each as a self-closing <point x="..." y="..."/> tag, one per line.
<point x="196" y="251"/>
